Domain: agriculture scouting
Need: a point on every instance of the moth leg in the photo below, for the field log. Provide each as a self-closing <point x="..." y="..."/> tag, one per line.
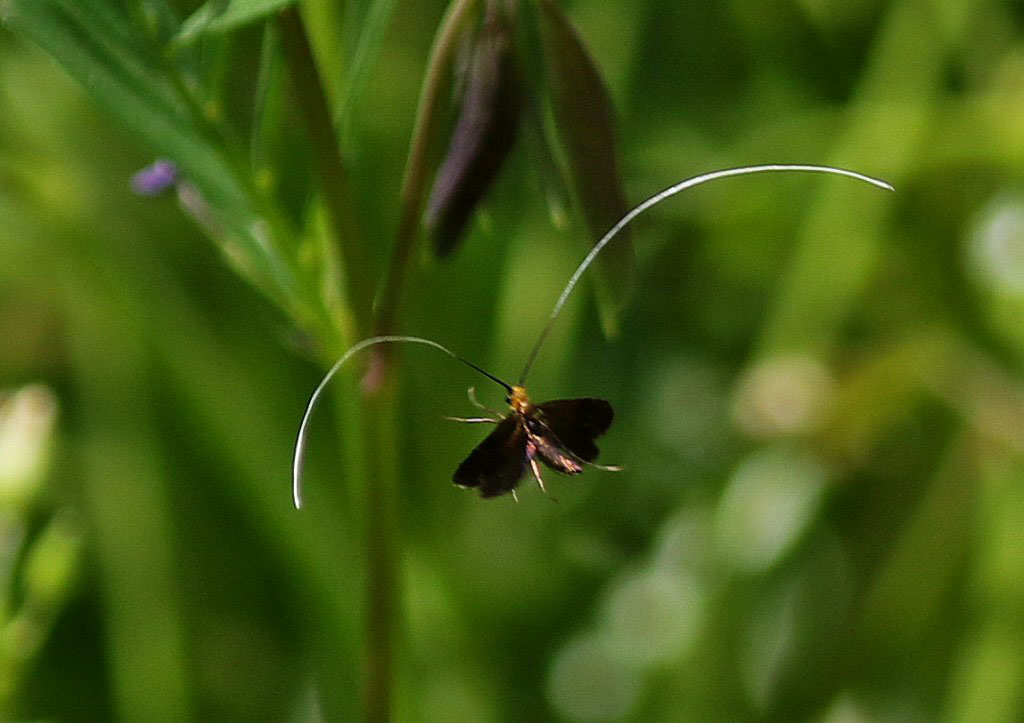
<point x="472" y="420"/>
<point x="514" y="495"/>
<point x="606" y="467"/>
<point x="471" y="393"/>
<point x="536" y="474"/>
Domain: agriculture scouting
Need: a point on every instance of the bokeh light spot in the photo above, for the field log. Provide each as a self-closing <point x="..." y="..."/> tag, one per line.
<point x="588" y="683"/>
<point x="655" y="616"/>
<point x="771" y="498"/>
<point x="996" y="246"/>
<point x="784" y="395"/>
<point x="27" y="419"/>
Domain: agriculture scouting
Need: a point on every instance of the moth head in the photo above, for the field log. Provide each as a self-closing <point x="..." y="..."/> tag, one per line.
<point x="518" y="401"/>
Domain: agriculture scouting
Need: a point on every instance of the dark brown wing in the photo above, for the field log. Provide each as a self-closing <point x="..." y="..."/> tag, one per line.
<point x="498" y="463"/>
<point x="571" y="425"/>
<point x="552" y="453"/>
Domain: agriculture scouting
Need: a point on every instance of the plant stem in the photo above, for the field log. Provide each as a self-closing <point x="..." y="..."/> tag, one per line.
<point x="378" y="402"/>
<point x="381" y="551"/>
<point x="310" y="95"/>
<point x="381" y="494"/>
<point x="415" y="178"/>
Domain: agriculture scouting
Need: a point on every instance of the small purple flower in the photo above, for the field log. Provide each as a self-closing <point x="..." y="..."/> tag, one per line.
<point x="155" y="178"/>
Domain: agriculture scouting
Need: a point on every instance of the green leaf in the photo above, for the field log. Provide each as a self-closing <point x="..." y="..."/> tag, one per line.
<point x="585" y="124"/>
<point x="367" y="48"/>
<point x="159" y="19"/>
<point x="553" y="180"/>
<point x="221" y="16"/>
<point x="97" y="45"/>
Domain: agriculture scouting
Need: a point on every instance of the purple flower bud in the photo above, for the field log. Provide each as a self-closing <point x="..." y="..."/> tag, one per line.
<point x="483" y="137"/>
<point x="156" y="178"/>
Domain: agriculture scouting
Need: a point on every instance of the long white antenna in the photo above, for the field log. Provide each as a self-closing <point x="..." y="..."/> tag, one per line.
<point x="298" y="458"/>
<point x="658" y="198"/>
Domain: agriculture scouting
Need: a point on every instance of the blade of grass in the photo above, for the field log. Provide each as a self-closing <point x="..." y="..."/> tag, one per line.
<point x="584" y="120"/>
<point x="222" y="16"/>
<point x="123" y="471"/>
<point x="96" y="47"/>
<point x="840" y="240"/>
<point x="334" y="183"/>
<point x="350" y="99"/>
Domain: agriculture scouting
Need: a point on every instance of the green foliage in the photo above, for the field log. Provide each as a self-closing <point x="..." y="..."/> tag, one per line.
<point x="585" y="122"/>
<point x="819" y="389"/>
<point x="221" y="16"/>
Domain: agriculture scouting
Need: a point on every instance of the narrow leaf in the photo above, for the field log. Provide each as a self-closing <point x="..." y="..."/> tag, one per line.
<point x="367" y="48"/>
<point x="585" y="124"/>
<point x="96" y="44"/>
<point x="221" y="16"/>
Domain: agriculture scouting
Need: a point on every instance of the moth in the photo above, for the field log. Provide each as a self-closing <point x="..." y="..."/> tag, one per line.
<point x="560" y="433"/>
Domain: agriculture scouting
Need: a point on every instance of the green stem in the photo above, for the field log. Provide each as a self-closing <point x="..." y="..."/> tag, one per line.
<point x="380" y="474"/>
<point x="415" y="178"/>
<point x="382" y="546"/>
<point x="311" y="97"/>
<point x="381" y="494"/>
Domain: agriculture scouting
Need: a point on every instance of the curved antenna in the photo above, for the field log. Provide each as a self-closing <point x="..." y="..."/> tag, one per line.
<point x="658" y="198"/>
<point x="299" y="456"/>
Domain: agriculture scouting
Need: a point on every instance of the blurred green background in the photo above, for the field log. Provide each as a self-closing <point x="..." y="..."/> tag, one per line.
<point x="819" y="387"/>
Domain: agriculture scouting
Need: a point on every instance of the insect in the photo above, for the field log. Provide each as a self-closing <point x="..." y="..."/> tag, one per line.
<point x="560" y="433"/>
